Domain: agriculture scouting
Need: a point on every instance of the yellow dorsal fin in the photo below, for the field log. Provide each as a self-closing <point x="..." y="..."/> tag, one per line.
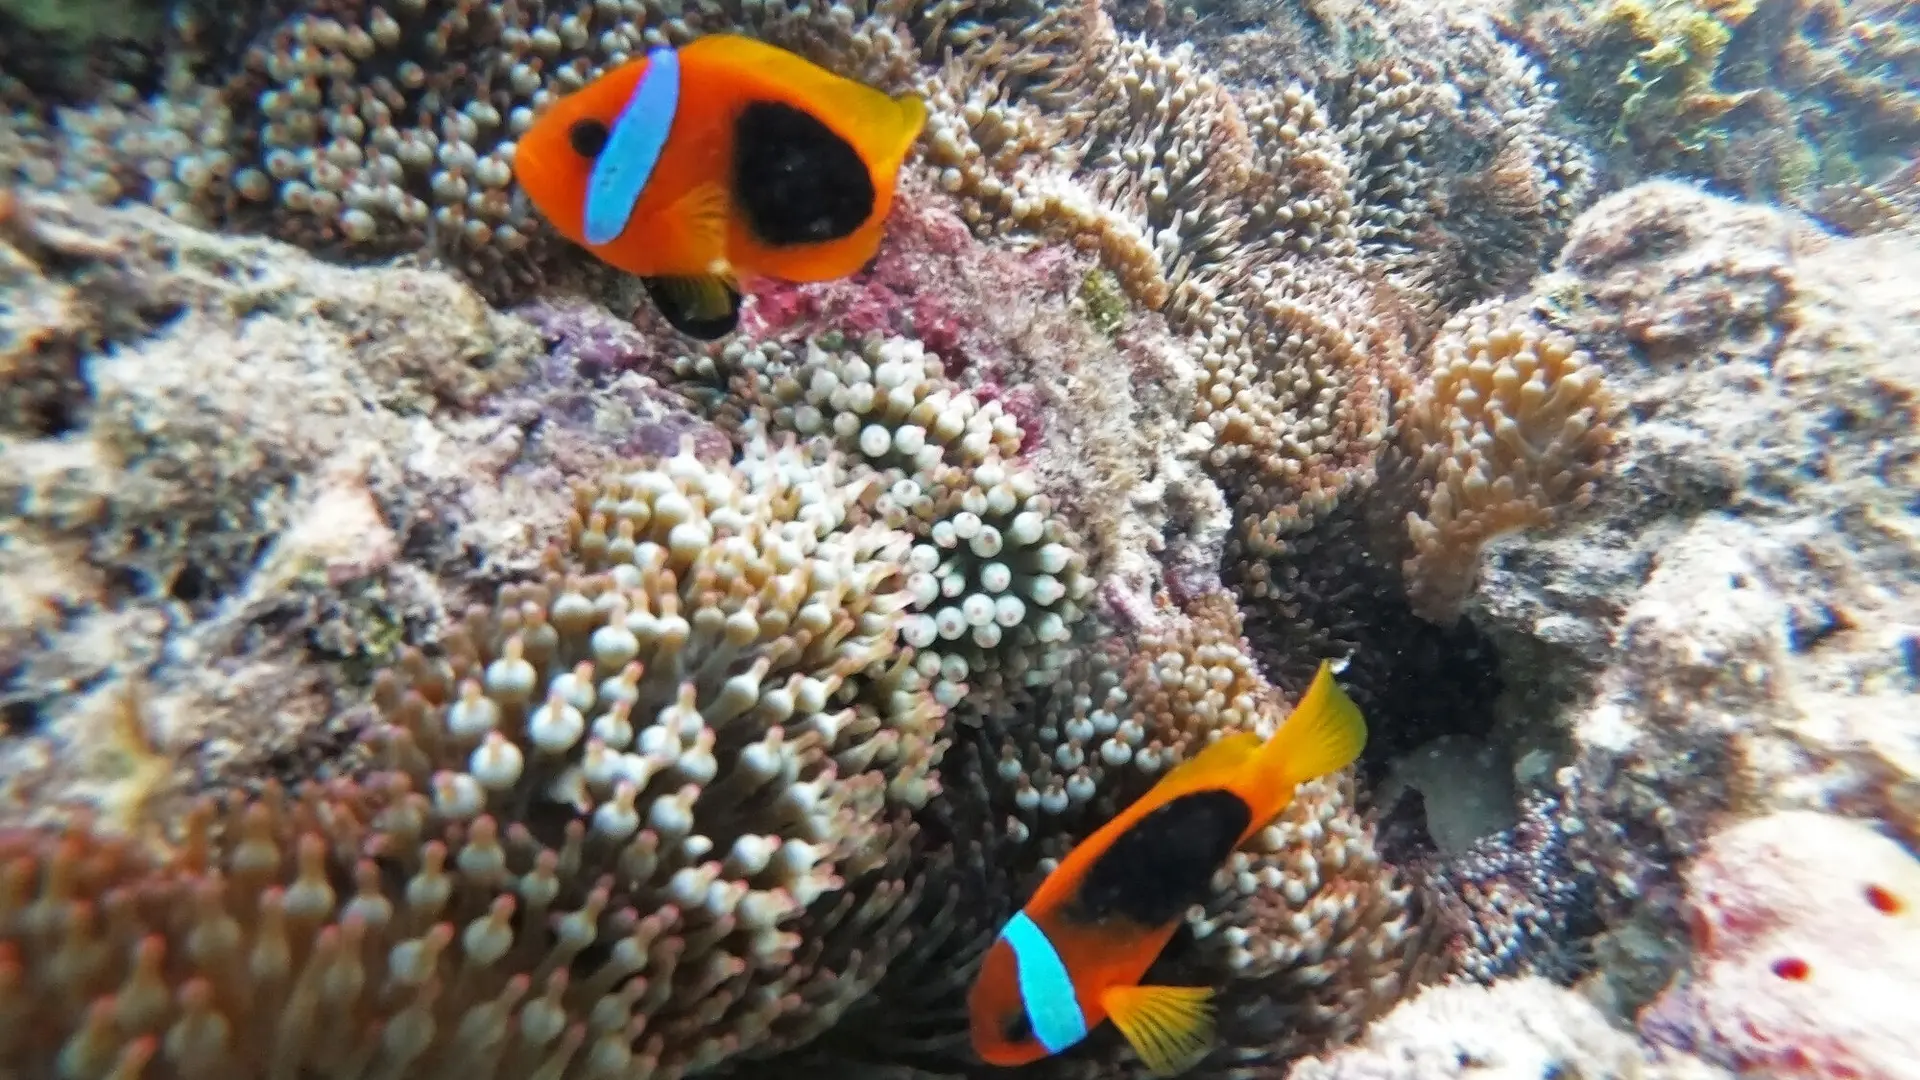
<point x="912" y="117"/>
<point x="1170" y="1027"/>
<point x="880" y="127"/>
<point x="1224" y="757"/>
<point x="1324" y="733"/>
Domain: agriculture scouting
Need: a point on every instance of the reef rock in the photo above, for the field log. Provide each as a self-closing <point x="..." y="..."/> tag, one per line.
<point x="1519" y="1029"/>
<point x="1806" y="936"/>
<point x="242" y="478"/>
<point x="1734" y="626"/>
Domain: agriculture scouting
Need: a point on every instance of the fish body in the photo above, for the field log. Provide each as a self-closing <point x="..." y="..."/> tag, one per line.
<point x="727" y="159"/>
<point x="1075" y="955"/>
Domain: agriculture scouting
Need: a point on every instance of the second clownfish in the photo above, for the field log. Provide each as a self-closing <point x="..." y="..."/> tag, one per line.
<point x="729" y="158"/>
<point x="1074" y="956"/>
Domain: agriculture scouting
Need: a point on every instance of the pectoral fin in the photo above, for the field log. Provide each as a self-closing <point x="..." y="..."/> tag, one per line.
<point x="1170" y="1027"/>
<point x="701" y="307"/>
<point x="702" y="212"/>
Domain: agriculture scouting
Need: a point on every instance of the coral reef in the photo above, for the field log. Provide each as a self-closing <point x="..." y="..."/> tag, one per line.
<point x="1309" y="932"/>
<point x="721" y="629"/>
<point x="1299" y="231"/>
<point x="1515" y="1030"/>
<point x="248" y="477"/>
<point x="1728" y="630"/>
<point x="1799" y="101"/>
<point x="1421" y="178"/>
<point x="1806" y="935"/>
<point x="523" y="690"/>
<point x="379" y="129"/>
<point x="997" y="578"/>
<point x="1509" y="428"/>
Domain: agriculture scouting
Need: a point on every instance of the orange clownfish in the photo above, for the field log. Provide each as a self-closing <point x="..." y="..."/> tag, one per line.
<point x="1074" y="956"/>
<point x="728" y="158"/>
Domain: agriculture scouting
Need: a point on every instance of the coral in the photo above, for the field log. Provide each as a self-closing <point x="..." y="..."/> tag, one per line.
<point x="1139" y="314"/>
<point x="1298" y="231"/>
<point x="1769" y="99"/>
<point x="71" y="43"/>
<point x="733" y="629"/>
<point x="1299" y="964"/>
<point x="1510" y="425"/>
<point x="692" y="749"/>
<point x="1806" y="935"/>
<point x="1337" y="591"/>
<point x="1294" y="394"/>
<point x="562" y="412"/>
<point x="1888" y="204"/>
<point x="997" y="578"/>
<point x="1722" y="634"/>
<point x="223" y="460"/>
<point x="1513" y="896"/>
<point x="1324" y="207"/>
<point x="1518" y="1029"/>
<point x="1311" y="935"/>
<point x="1663" y="98"/>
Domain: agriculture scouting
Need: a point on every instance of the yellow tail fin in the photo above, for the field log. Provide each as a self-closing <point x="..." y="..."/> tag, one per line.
<point x="1324" y="734"/>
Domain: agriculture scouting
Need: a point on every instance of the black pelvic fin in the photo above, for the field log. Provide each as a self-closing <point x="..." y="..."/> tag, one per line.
<point x="699" y="307"/>
<point x="794" y="179"/>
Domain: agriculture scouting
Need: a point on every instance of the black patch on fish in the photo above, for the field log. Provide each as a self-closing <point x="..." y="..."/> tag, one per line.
<point x="671" y="296"/>
<point x="794" y="179"/>
<point x="1165" y="862"/>
<point x="587" y="137"/>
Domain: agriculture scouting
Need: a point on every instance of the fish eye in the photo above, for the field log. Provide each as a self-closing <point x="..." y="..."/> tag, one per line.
<point x="587" y="137"/>
<point x="1017" y="1028"/>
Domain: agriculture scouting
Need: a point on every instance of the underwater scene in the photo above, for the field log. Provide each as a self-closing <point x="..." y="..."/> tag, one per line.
<point x="959" y="539"/>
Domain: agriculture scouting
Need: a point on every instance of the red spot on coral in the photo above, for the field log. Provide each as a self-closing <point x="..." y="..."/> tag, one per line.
<point x="1884" y="901"/>
<point x="1792" y="967"/>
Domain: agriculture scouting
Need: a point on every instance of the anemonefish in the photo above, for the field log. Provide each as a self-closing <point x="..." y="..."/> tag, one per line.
<point x="1074" y="956"/>
<point x="726" y="159"/>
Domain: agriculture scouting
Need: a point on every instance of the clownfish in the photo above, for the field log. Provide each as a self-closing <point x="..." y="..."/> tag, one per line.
<point x="1074" y="956"/>
<point x="729" y="158"/>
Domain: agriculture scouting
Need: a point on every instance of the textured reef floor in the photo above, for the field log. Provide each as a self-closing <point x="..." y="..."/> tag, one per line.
<point x="415" y="659"/>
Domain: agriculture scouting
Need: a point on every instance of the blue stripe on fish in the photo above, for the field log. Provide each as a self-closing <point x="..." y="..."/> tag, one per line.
<point x="633" y="147"/>
<point x="1045" y="986"/>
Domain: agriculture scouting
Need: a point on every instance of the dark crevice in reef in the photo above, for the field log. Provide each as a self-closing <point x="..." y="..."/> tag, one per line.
<point x="1514" y="901"/>
<point x="1335" y="596"/>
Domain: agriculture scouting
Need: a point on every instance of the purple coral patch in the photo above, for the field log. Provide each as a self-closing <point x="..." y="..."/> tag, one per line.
<point x="586" y="340"/>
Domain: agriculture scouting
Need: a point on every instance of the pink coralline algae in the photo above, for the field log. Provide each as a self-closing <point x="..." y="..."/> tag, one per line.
<point x="583" y="339"/>
<point x="919" y="286"/>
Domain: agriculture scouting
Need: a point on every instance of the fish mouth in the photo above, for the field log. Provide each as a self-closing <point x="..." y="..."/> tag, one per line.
<point x="534" y="177"/>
